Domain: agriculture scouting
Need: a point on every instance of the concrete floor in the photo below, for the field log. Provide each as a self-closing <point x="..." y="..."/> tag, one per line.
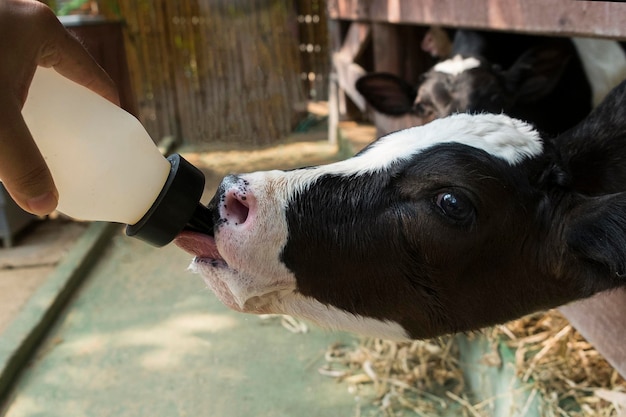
<point x="25" y="266"/>
<point x="143" y="337"/>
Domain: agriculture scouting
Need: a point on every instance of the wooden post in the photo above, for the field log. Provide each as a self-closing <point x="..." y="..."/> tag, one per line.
<point x="387" y="44"/>
<point x="345" y="72"/>
<point x="334" y="38"/>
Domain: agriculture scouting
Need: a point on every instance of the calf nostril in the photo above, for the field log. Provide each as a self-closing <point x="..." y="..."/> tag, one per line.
<point x="236" y="208"/>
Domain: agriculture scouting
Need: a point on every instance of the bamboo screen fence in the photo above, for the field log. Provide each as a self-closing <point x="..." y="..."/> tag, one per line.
<point x="313" y="45"/>
<point x="223" y="71"/>
<point x="230" y="68"/>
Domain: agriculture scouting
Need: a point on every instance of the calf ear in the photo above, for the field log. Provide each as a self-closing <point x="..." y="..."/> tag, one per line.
<point x="593" y="158"/>
<point x="597" y="237"/>
<point x="593" y="153"/>
<point x="387" y="93"/>
<point x="536" y="73"/>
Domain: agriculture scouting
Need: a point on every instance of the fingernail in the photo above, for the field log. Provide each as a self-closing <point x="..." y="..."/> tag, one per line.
<point x="43" y="204"/>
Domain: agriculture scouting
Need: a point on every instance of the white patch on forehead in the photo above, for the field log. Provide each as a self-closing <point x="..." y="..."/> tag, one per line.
<point x="501" y="136"/>
<point x="457" y="65"/>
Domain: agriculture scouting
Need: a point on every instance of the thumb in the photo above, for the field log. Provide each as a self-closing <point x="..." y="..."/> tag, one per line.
<point x="33" y="189"/>
<point x="23" y="170"/>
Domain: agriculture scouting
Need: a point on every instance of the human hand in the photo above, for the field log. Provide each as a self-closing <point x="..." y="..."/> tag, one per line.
<point x="31" y="35"/>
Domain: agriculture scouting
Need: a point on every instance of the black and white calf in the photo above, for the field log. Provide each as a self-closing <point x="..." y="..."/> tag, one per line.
<point x="464" y="222"/>
<point x="552" y="83"/>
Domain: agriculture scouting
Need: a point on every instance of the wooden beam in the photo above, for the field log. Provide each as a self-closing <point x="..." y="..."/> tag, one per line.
<point x="557" y="17"/>
<point x="600" y="319"/>
<point x="387" y="44"/>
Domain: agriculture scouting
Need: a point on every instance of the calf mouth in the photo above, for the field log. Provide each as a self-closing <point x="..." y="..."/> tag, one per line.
<point x="210" y="264"/>
<point x="216" y="273"/>
<point x="202" y="246"/>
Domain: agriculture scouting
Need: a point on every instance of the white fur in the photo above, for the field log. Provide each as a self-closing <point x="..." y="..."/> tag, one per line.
<point x="336" y="319"/>
<point x="457" y="65"/>
<point x="604" y="63"/>
<point x="237" y="293"/>
<point x="501" y="136"/>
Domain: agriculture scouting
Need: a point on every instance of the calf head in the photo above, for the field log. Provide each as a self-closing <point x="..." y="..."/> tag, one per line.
<point x="546" y="86"/>
<point x="451" y="226"/>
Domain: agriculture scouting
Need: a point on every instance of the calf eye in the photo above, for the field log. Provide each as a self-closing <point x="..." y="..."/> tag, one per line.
<point x="455" y="206"/>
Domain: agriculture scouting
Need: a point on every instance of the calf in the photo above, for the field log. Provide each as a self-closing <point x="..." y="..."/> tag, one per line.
<point x="550" y="82"/>
<point x="464" y="222"/>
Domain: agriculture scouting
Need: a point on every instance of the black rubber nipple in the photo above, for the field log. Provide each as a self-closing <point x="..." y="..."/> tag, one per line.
<point x="176" y="208"/>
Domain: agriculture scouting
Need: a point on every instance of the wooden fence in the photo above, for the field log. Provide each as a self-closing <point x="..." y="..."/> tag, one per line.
<point x="223" y="71"/>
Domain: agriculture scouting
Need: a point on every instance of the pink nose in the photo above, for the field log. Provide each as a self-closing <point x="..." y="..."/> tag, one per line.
<point x="237" y="201"/>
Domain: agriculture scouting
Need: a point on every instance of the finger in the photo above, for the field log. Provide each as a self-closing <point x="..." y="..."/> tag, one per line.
<point x="76" y="64"/>
<point x="23" y="170"/>
<point x="68" y="57"/>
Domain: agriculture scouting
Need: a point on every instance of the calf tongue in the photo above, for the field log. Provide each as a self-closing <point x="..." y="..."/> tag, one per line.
<point x="198" y="244"/>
